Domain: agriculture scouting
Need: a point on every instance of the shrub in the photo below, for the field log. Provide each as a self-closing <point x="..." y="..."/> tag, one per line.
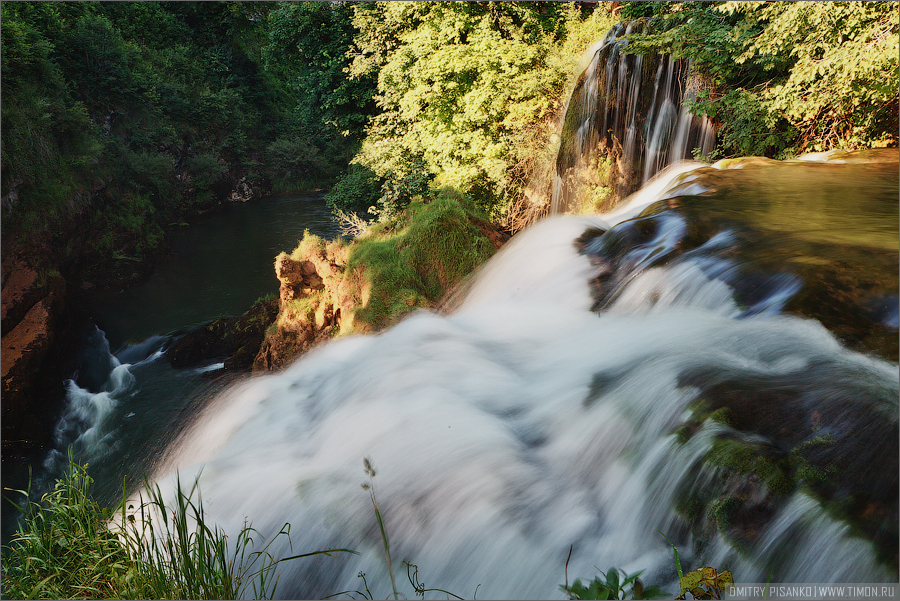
<point x="356" y="191"/>
<point x="206" y="169"/>
<point x="293" y="160"/>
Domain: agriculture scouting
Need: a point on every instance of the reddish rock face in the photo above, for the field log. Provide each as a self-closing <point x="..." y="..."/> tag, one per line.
<point x="30" y="312"/>
<point x="20" y="292"/>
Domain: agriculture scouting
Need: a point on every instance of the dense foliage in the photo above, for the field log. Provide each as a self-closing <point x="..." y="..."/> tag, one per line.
<point x="121" y="118"/>
<point x="786" y="77"/>
<point x="468" y="90"/>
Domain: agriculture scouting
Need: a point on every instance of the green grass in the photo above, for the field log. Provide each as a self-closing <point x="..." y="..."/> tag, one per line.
<point x="414" y="261"/>
<point x="68" y="547"/>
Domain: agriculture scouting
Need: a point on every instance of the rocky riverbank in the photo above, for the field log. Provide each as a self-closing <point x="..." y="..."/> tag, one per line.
<point x="335" y="288"/>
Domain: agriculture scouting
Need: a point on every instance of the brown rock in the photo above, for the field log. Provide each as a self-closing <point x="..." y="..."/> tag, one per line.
<point x="20" y="292"/>
<point x="24" y="349"/>
<point x="308" y="268"/>
<point x="237" y="339"/>
<point x="25" y="346"/>
<point x="288" y="271"/>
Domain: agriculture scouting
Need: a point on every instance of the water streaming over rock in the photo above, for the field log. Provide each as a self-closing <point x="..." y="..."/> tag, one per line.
<point x="625" y="121"/>
<point x="598" y="385"/>
<point x="702" y="363"/>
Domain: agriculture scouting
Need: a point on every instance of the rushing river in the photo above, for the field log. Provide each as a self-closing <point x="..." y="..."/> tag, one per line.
<point x="565" y="402"/>
<point x="219" y="265"/>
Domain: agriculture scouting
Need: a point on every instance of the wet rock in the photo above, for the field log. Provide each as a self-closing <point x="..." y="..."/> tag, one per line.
<point x="242" y="191"/>
<point x="234" y="338"/>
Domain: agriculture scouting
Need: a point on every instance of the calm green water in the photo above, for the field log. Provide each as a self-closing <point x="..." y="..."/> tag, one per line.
<point x="220" y="265"/>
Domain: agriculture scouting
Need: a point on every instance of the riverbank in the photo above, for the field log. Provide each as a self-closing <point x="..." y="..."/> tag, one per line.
<point x="51" y="301"/>
<point x="336" y="287"/>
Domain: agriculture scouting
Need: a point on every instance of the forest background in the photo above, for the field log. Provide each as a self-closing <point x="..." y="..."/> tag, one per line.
<point x="119" y="120"/>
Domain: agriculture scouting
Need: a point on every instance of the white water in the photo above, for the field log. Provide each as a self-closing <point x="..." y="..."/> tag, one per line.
<point x="631" y="112"/>
<point x="504" y="433"/>
<point x="497" y="449"/>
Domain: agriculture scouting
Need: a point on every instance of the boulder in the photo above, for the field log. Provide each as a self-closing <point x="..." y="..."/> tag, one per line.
<point x="236" y="339"/>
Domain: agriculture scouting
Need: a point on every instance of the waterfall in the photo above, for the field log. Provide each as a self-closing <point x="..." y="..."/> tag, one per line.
<point x="712" y="363"/>
<point x="561" y="405"/>
<point x="626" y="120"/>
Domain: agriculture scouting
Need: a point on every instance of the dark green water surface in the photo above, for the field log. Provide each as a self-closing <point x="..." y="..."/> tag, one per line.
<point x="220" y="265"/>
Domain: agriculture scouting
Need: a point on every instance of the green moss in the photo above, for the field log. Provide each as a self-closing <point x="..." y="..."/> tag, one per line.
<point x="725" y="514"/>
<point x="265" y="299"/>
<point x="807" y="471"/>
<point x="722" y="512"/>
<point x="689" y="507"/>
<point x="743" y="458"/>
<point x="415" y="260"/>
<point x="723" y="415"/>
<point x="684" y="434"/>
<point x="700" y="412"/>
<point x="304" y="307"/>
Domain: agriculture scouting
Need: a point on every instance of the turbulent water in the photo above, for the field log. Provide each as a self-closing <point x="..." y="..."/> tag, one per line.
<point x="547" y="411"/>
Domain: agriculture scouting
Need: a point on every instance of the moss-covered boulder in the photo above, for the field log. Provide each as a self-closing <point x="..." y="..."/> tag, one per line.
<point x="331" y="288"/>
<point x="234" y="339"/>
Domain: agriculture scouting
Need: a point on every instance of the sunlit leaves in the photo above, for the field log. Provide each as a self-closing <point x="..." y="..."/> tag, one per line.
<point x="456" y="84"/>
<point x="790" y="76"/>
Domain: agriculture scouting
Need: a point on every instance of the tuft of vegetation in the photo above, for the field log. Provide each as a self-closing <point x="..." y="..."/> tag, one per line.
<point x="614" y="584"/>
<point x="414" y="259"/>
<point x="68" y="547"/>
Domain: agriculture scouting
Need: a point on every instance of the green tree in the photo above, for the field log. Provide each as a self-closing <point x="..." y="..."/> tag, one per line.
<point x="123" y="115"/>
<point x="787" y="77"/>
<point x="841" y="90"/>
<point x="310" y="42"/>
<point x="457" y="82"/>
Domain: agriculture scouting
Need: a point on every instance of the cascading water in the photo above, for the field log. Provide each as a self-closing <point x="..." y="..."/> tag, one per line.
<point x="714" y="361"/>
<point x="626" y="120"/>
<point x="605" y="380"/>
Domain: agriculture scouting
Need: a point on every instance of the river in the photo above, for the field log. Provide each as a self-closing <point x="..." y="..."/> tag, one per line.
<point x="713" y="361"/>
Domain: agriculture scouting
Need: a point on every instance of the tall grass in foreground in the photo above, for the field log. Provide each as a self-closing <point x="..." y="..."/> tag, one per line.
<point x="69" y="547"/>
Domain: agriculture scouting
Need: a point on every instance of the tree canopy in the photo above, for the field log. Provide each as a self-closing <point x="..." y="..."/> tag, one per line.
<point x="121" y="117"/>
<point x="788" y="76"/>
<point x="466" y="89"/>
